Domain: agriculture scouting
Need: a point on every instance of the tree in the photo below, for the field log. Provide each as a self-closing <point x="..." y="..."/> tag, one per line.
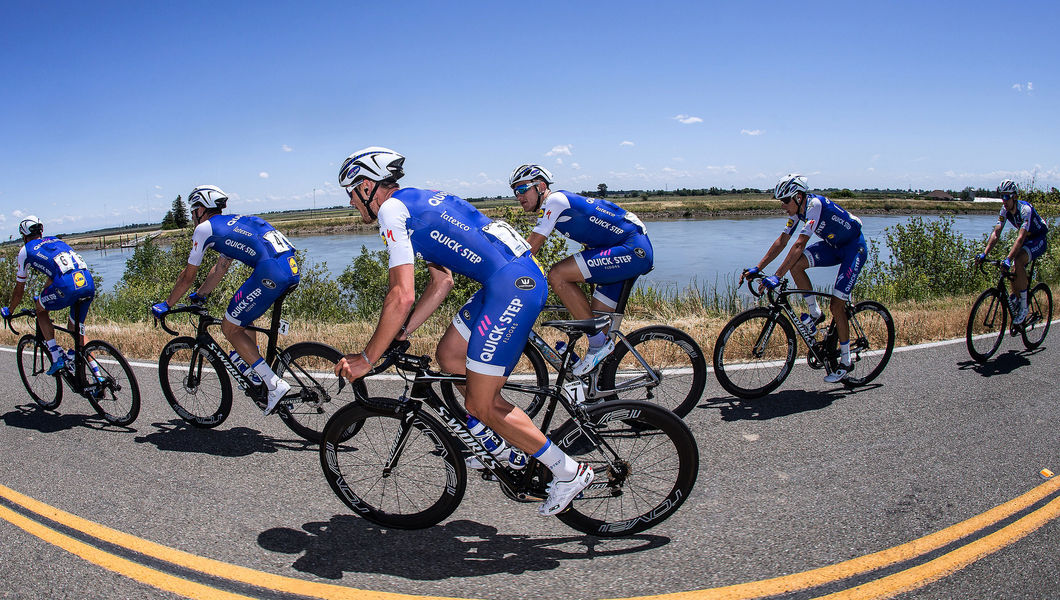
<point x="602" y="190"/>
<point x="167" y="221"/>
<point x="179" y="213"/>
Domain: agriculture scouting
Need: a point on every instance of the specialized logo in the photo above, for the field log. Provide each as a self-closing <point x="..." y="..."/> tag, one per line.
<point x="525" y="283"/>
<point x="79" y="279"/>
<point x="268" y="283"/>
<point x="293" y="264"/>
<point x="640" y="252"/>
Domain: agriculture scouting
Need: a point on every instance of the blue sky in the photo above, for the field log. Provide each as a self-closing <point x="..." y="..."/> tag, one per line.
<point x="112" y="109"/>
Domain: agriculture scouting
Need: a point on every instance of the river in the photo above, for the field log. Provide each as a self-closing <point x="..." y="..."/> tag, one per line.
<point x="700" y="252"/>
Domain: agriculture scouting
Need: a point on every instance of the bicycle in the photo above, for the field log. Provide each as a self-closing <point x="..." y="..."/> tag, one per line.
<point x="400" y="462"/>
<point x="114" y="393"/>
<point x="195" y="373"/>
<point x="657" y="363"/>
<point x="990" y="313"/>
<point x="750" y="361"/>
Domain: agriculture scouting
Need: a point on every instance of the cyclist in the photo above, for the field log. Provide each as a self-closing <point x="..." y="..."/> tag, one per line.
<point x="616" y="249"/>
<point x="842" y="243"/>
<point x="68" y="281"/>
<point x="487" y="335"/>
<point x="255" y="243"/>
<point x="1031" y="242"/>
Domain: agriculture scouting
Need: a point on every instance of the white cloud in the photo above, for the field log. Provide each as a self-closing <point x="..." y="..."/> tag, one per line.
<point x="263" y="175"/>
<point x="158" y="196"/>
<point x="1018" y="87"/>
<point x="18" y="214"/>
<point x="557" y="150"/>
<point x="626" y="143"/>
<point x="286" y="148"/>
<point x="559" y="161"/>
<point x="727" y="169"/>
<point x="871" y="169"/>
<point x="751" y="132"/>
<point x="688" y="120"/>
<point x="158" y="187"/>
<point x="1021" y="87"/>
<point x="575" y="166"/>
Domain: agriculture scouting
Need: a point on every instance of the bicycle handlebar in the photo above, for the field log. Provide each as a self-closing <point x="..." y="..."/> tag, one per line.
<point x="394" y="354"/>
<point x="196" y="309"/>
<point x="1006" y="273"/>
<point x="772" y="292"/>
<point x="25" y="312"/>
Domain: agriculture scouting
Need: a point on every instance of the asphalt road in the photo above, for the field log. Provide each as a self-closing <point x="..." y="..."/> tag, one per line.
<point x="808" y="477"/>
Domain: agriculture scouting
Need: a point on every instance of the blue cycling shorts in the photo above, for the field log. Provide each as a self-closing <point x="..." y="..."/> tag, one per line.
<point x="850" y="258"/>
<point x="496" y="321"/>
<point x="66" y="290"/>
<point x="270" y="279"/>
<point x="609" y="268"/>
<point x="1036" y="246"/>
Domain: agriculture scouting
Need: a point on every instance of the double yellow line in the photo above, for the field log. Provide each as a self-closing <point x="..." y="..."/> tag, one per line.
<point x="884" y="587"/>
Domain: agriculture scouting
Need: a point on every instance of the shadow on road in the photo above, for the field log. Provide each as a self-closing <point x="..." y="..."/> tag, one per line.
<point x="31" y="416"/>
<point x="177" y="436"/>
<point x="1001" y="364"/>
<point x="778" y="404"/>
<point x="456" y="549"/>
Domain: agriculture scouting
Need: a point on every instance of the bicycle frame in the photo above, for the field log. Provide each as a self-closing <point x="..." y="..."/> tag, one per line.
<point x="77" y="380"/>
<point x="1002" y="289"/>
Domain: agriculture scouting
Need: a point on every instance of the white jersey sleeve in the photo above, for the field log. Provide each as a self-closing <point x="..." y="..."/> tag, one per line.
<point x="20" y="269"/>
<point x="814" y="207"/>
<point x="198" y="242"/>
<point x="1026" y="214"/>
<point x="551" y="209"/>
<point x="393" y="226"/>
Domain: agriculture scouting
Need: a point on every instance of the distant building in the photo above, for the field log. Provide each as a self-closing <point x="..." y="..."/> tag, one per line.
<point x="938" y="195"/>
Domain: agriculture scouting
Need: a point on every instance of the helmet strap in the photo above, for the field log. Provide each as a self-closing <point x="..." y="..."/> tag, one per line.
<point x="367" y="203"/>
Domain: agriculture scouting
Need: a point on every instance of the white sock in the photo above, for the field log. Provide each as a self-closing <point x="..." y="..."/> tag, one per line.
<point x="844" y="352"/>
<point x="598" y="339"/>
<point x="1023" y="299"/>
<point x="563" y="467"/>
<point x="266" y="374"/>
<point x="811" y="305"/>
<point x="54" y="348"/>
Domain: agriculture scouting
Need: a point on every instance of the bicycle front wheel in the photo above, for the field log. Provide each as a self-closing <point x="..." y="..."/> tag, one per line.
<point x="194" y="383"/>
<point x="1039" y="316"/>
<point x="754" y="353"/>
<point x="986" y="325"/>
<point x="400" y="469"/>
<point x="675" y="358"/>
<point x="115" y="394"/>
<point x="871" y="341"/>
<point x="316" y="392"/>
<point x="645" y="462"/>
<point x="34" y="360"/>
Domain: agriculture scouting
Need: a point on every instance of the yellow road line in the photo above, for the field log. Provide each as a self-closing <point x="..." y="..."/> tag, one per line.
<point x="921" y="575"/>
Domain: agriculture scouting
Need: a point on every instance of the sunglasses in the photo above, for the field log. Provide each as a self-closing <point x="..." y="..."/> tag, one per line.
<point x="522" y="189"/>
<point x="787" y="199"/>
<point x="1007" y="196"/>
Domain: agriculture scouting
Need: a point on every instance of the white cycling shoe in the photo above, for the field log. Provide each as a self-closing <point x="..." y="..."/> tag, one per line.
<point x="593" y="357"/>
<point x="560" y="493"/>
<point x="282" y="387"/>
<point x="1020" y="315"/>
<point x="841" y="373"/>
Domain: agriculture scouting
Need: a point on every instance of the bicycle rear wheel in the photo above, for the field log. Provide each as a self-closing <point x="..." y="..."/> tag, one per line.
<point x="316" y="392"/>
<point x="645" y="466"/>
<point x="751" y="357"/>
<point x="194" y="383"/>
<point x="116" y="395"/>
<point x="871" y="341"/>
<point x="986" y="325"/>
<point x="34" y="360"/>
<point x="1039" y="316"/>
<point x="672" y="354"/>
<point x="401" y="469"/>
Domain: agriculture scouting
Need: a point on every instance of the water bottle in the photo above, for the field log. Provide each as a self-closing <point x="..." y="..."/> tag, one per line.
<point x="71" y="356"/>
<point x="561" y="347"/>
<point x="244" y="368"/>
<point x="809" y="323"/>
<point x="511" y="457"/>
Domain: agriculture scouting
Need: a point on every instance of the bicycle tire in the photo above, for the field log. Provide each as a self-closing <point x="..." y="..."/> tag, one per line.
<point x="643" y="473"/>
<point x="531" y="405"/>
<point x="739" y="371"/>
<point x="34" y="360"/>
<point x="674" y="355"/>
<point x="871" y="326"/>
<point x="1039" y="316"/>
<point x="425" y="485"/>
<point x="316" y="392"/>
<point x="117" y="397"/>
<point x="986" y="325"/>
<point x="202" y="398"/>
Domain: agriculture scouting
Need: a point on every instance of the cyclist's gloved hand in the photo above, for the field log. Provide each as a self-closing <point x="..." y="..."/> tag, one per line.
<point x="771" y="282"/>
<point x="980" y="257"/>
<point x="1006" y="264"/>
<point x="197" y="298"/>
<point x="159" y="309"/>
<point x="748" y="273"/>
<point x="5" y="312"/>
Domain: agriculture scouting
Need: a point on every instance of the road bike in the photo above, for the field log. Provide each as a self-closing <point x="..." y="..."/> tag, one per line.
<point x="756" y="350"/>
<point x="195" y="375"/>
<point x="399" y="462"/>
<point x="990" y="314"/>
<point x="113" y="392"/>
<point x="657" y="363"/>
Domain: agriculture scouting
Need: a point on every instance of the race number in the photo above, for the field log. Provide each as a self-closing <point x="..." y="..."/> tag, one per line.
<point x="68" y="261"/>
<point x="508" y="236"/>
<point x="278" y="241"/>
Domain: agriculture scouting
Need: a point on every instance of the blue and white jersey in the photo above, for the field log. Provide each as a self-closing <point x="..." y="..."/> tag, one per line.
<point x="1024" y="217"/>
<point x="828" y="220"/>
<point x="50" y="256"/>
<point x="447" y="231"/>
<point x="247" y="239"/>
<point x="591" y="221"/>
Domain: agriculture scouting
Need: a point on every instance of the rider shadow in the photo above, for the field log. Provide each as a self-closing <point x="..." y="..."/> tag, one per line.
<point x="31" y="416"/>
<point x="177" y="436"/>
<point x="1001" y="364"/>
<point x="777" y="404"/>
<point x="460" y="548"/>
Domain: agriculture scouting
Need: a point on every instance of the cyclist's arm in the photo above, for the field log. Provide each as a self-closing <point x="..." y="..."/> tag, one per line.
<point x="16" y="295"/>
<point x="1021" y="237"/>
<point x="396" y="307"/>
<point x="184" y="281"/>
<point x="433" y="295"/>
<point x="216" y="274"/>
<point x="994" y="235"/>
<point x="773" y="252"/>
<point x="793" y="255"/>
<point x="536" y="241"/>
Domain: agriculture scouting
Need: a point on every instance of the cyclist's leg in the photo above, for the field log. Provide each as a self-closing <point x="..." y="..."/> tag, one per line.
<point x="52" y="297"/>
<point x="802" y="280"/>
<point x="563" y="278"/>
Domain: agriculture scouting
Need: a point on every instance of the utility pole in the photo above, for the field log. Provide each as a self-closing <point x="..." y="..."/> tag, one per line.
<point x="314" y="200"/>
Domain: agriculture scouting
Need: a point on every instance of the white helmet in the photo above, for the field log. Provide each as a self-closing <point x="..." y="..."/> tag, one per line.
<point x="207" y="196"/>
<point x="789" y="185"/>
<point x="1007" y="187"/>
<point x="529" y="172"/>
<point x="31" y="225"/>
<point x="375" y="163"/>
